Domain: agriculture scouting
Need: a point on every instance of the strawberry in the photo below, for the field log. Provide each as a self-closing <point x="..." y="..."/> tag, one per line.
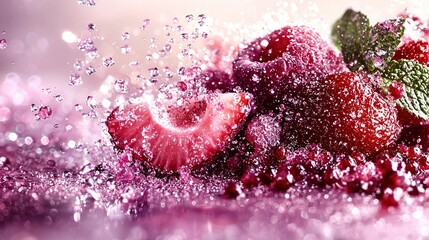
<point x="414" y="50"/>
<point x="343" y="113"/>
<point x="282" y="62"/>
<point x="166" y="138"/>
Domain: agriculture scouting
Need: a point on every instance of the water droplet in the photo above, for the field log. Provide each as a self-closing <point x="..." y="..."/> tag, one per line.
<point x="125" y="36"/>
<point x="153" y="72"/>
<point x="189" y="17"/>
<point x="33" y="107"/>
<point x="181" y="86"/>
<point x="204" y="35"/>
<point x="46" y="90"/>
<point x="90" y="102"/>
<point x="175" y="20"/>
<point x="78" y="107"/>
<point x="126" y="49"/>
<point x="134" y="64"/>
<point x="90" y="70"/>
<point x="87" y="45"/>
<point x="50" y="163"/>
<point x="75" y="79"/>
<point x="86" y="2"/>
<point x="121" y="86"/>
<point x="167" y="47"/>
<point x="3" y="44"/>
<point x="78" y="65"/>
<point x="69" y="127"/>
<point x="58" y="98"/>
<point x="146" y="22"/>
<point x="90" y="27"/>
<point x="44" y="112"/>
<point x="108" y="62"/>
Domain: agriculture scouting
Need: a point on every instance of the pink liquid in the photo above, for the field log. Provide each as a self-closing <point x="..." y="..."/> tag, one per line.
<point x="60" y="177"/>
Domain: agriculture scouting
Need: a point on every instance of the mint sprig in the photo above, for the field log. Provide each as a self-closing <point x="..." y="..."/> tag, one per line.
<point x="365" y="47"/>
<point x="350" y="33"/>
<point x="415" y="78"/>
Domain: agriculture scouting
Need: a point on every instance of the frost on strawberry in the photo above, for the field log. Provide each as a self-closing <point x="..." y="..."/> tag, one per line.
<point x="279" y="64"/>
<point x="167" y="138"/>
<point x="343" y="113"/>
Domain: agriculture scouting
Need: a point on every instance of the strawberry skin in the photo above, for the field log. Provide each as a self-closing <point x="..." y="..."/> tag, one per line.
<point x="344" y="113"/>
<point x="168" y="140"/>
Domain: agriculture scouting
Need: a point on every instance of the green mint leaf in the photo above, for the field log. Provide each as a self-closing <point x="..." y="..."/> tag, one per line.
<point x="415" y="78"/>
<point x="384" y="39"/>
<point x="351" y="33"/>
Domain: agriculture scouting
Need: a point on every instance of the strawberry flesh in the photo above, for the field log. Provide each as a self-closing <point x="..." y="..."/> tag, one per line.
<point x="181" y="136"/>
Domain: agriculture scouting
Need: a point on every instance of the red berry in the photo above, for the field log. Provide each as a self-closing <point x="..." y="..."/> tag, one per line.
<point x="180" y="136"/>
<point x="396" y="90"/>
<point x="414" y="50"/>
<point x="232" y="190"/>
<point x="344" y="114"/>
<point x="280" y="63"/>
<point x="249" y="179"/>
<point x="263" y="132"/>
<point x="411" y="50"/>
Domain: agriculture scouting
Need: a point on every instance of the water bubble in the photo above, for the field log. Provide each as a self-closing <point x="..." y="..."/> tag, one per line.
<point x="153" y="72"/>
<point x="75" y="79"/>
<point x="204" y="35"/>
<point x="59" y="98"/>
<point x="167" y="47"/>
<point x="78" y="65"/>
<point x="50" y="163"/>
<point x="3" y="44"/>
<point x="90" y="70"/>
<point x="78" y="107"/>
<point x="125" y="36"/>
<point x="44" y="112"/>
<point x="175" y="20"/>
<point x="126" y="49"/>
<point x="121" y="86"/>
<point x="90" y="102"/>
<point x="189" y="17"/>
<point x="108" y="62"/>
<point x="86" y="2"/>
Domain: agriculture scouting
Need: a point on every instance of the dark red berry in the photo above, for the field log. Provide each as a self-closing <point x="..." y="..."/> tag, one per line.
<point x="232" y="190"/>
<point x="249" y="179"/>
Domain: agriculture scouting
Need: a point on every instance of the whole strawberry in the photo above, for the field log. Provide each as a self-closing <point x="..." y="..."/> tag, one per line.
<point x="343" y="113"/>
<point x="282" y="62"/>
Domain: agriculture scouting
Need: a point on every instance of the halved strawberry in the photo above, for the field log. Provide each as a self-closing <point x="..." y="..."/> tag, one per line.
<point x="167" y="138"/>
